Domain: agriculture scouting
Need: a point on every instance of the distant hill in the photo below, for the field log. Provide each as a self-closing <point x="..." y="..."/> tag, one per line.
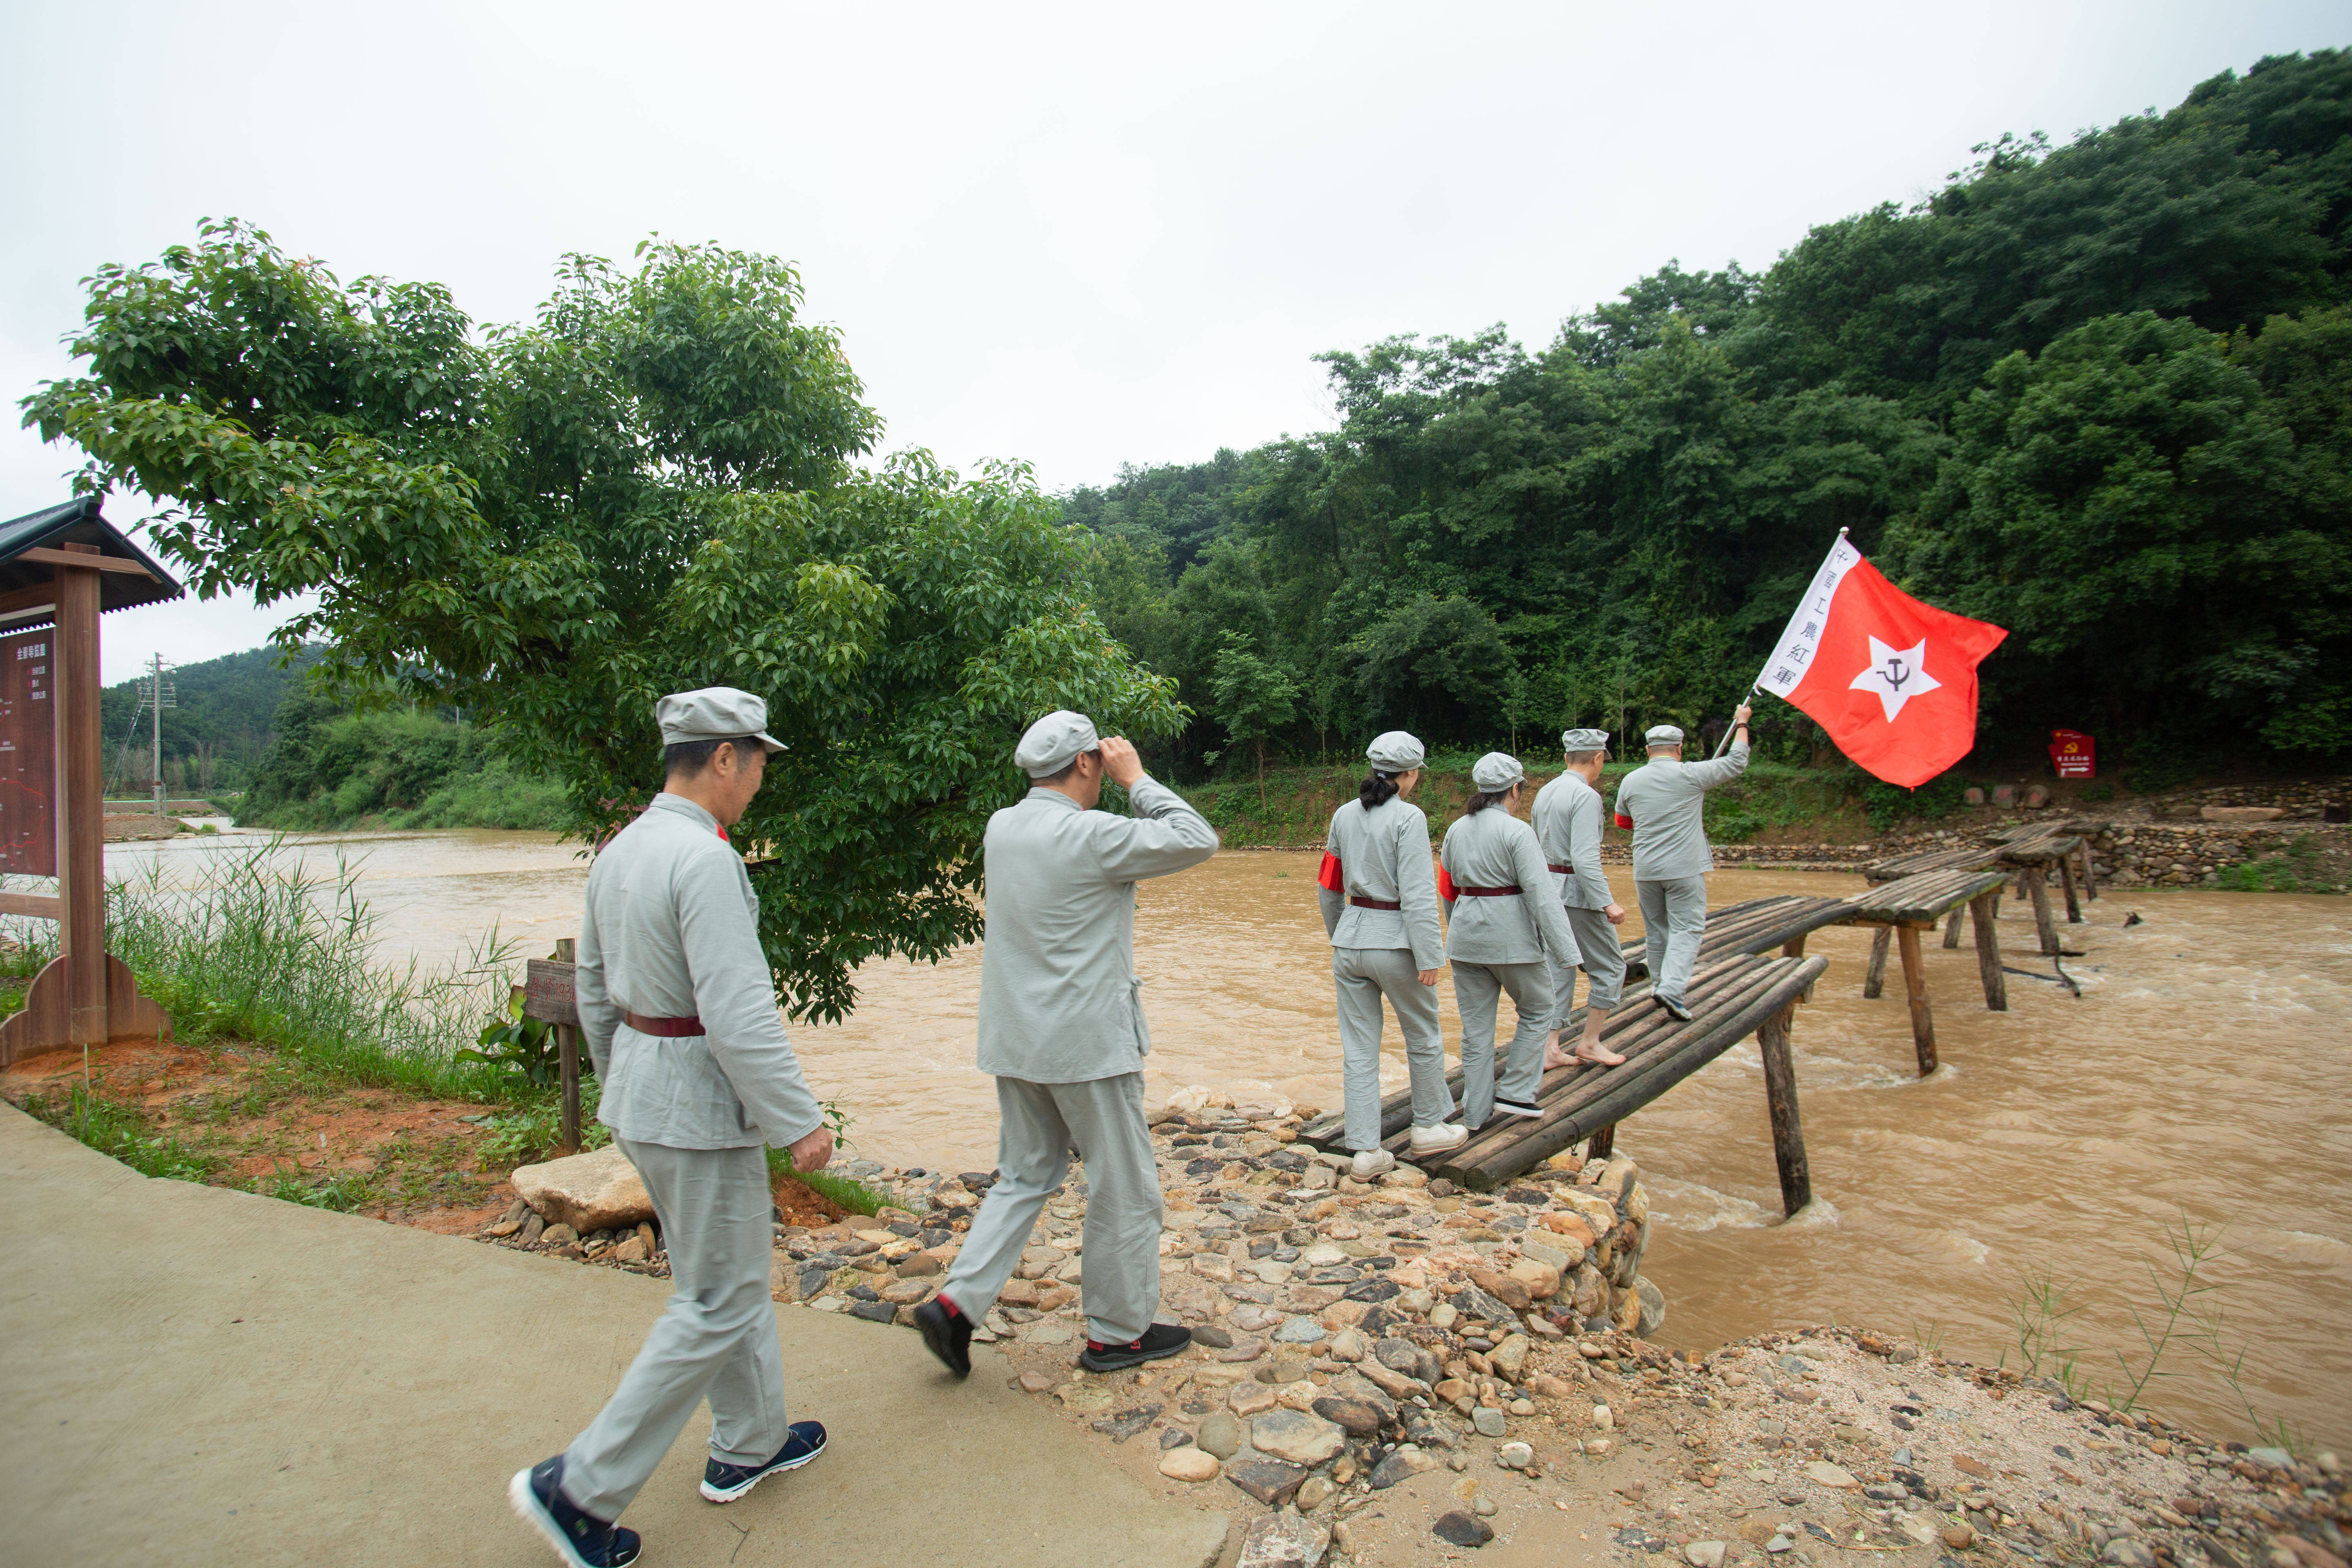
<point x="216" y="734"/>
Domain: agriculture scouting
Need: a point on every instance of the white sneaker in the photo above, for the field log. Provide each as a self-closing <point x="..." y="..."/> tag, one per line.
<point x="1437" y="1139"/>
<point x="1370" y="1163"/>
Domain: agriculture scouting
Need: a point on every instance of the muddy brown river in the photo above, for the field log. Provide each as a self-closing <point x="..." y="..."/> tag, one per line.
<point x="2202" y="1079"/>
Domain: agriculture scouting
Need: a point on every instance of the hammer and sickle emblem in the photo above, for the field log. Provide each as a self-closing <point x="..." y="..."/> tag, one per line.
<point x="1897" y="672"/>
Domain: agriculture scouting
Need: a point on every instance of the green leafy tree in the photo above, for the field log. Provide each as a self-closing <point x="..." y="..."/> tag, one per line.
<point x="2125" y="503"/>
<point x="1254" y="698"/>
<point x="647" y="489"/>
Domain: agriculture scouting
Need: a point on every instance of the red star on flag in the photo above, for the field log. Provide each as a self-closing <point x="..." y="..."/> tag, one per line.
<point x="1892" y="681"/>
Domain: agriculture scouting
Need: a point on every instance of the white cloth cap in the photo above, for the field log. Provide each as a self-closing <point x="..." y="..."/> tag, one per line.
<point x="714" y="713"/>
<point x="1394" y="752"/>
<point x="1496" y="771"/>
<point x="1584" y="740"/>
<point x="1663" y="735"/>
<point x="1049" y="745"/>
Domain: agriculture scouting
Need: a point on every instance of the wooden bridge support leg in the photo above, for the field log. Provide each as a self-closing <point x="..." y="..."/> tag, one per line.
<point x="1915" y="985"/>
<point x="2090" y="871"/>
<point x="1795" y="947"/>
<point x="2066" y="878"/>
<point x="1780" y="1098"/>
<point x="2037" y="888"/>
<point x="1996" y="984"/>
<point x="1874" y="984"/>
<point x="1952" y="930"/>
<point x="1601" y="1144"/>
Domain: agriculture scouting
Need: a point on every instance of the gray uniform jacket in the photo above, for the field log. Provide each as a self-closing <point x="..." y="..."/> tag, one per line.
<point x="1567" y="826"/>
<point x="673" y="930"/>
<point x="1666" y="800"/>
<point x="1496" y="850"/>
<point x="1383" y="854"/>
<point x="1059" y="1002"/>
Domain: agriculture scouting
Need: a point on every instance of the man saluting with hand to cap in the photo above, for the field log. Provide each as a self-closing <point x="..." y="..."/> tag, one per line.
<point x="1061" y="1027"/>
<point x="680" y="1012"/>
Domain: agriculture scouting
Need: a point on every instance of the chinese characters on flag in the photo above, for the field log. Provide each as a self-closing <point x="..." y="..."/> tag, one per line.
<point x="1892" y="681"/>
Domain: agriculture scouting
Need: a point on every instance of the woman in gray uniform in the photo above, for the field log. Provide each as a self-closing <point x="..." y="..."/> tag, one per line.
<point x="1378" y="895"/>
<point x="1507" y="919"/>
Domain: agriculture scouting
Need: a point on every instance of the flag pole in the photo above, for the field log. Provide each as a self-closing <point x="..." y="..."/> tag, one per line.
<point x="1755" y="690"/>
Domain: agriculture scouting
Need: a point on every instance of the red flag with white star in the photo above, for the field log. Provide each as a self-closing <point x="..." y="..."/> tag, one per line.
<point x="1892" y="681"/>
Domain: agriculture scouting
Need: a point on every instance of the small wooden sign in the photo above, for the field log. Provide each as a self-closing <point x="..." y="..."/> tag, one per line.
<point x="547" y="993"/>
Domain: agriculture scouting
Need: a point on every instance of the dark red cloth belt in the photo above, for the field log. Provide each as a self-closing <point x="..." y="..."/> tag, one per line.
<point x="1486" y="892"/>
<point x="671" y="1027"/>
<point x="1563" y="870"/>
<point x="1376" y="904"/>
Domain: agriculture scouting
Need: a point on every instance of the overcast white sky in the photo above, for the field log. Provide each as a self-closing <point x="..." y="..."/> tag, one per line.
<point x="1080" y="235"/>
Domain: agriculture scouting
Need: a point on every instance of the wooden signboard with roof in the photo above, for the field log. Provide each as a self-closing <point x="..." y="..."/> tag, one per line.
<point x="59" y="571"/>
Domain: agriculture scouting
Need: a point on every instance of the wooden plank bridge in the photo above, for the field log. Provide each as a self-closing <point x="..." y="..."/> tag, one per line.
<point x="1731" y="998"/>
<point x="1759" y="925"/>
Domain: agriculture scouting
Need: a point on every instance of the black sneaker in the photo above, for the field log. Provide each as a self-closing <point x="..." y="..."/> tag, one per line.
<point x="724" y="1482"/>
<point x="579" y="1539"/>
<point x="1516" y="1108"/>
<point x="1159" y="1341"/>
<point x="948" y="1332"/>
<point x="1676" y="1005"/>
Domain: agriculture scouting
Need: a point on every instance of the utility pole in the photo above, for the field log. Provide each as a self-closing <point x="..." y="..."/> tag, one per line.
<point x="161" y="695"/>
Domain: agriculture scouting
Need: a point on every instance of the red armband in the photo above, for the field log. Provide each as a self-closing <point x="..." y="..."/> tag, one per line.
<point x="1624" y="821"/>
<point x="1328" y="877"/>
<point x="1445" y="886"/>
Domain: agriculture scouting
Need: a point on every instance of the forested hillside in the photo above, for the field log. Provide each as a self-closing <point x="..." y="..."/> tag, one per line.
<point x="2100" y="393"/>
<point x="211" y="739"/>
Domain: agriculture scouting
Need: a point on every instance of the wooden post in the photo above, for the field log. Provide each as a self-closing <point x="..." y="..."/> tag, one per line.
<point x="1952" y="929"/>
<point x="2090" y="869"/>
<point x="1780" y="1099"/>
<point x="2037" y="888"/>
<point x="567" y="1049"/>
<point x="1601" y="1144"/>
<point x="1795" y="947"/>
<point x="82" y="822"/>
<point x="2066" y="877"/>
<point x="1873" y="982"/>
<point x="1982" y="913"/>
<point x="1915" y="984"/>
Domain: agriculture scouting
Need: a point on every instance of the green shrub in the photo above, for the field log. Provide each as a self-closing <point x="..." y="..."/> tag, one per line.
<point x="1886" y="803"/>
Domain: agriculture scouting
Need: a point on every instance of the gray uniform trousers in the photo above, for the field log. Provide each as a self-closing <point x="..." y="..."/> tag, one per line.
<point x="1603" y="965"/>
<point x="1478" y="990"/>
<point x="1364" y="976"/>
<point x="716" y="1338"/>
<point x="1674" y="919"/>
<point x="1121" y="1259"/>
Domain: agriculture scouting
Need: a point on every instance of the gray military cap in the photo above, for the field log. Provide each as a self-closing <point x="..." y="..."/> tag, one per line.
<point x="714" y="713"/>
<point x="1054" y="742"/>
<point x="1496" y="771"/>
<point x="1663" y="735"/>
<point x="1394" y="752"/>
<point x="1584" y="740"/>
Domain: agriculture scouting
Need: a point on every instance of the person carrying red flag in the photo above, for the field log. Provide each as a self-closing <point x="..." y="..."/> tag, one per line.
<point x="1892" y="681"/>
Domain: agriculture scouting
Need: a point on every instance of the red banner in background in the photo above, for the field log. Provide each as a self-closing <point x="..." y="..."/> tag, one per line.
<point x="28" y="749"/>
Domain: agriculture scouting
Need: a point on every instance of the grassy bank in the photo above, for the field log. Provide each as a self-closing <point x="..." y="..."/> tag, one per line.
<point x="496" y="797"/>
<point x="265" y="973"/>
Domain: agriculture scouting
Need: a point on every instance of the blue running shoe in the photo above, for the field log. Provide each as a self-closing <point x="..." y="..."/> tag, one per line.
<point x="579" y="1539"/>
<point x="725" y="1483"/>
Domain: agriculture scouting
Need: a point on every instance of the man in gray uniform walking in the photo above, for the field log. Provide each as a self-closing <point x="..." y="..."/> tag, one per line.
<point x="1664" y="802"/>
<point x="679" y="1013"/>
<point x="1567" y="824"/>
<point x="1061" y="1027"/>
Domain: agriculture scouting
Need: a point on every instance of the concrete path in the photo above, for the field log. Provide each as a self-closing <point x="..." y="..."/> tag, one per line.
<point x="191" y="1375"/>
